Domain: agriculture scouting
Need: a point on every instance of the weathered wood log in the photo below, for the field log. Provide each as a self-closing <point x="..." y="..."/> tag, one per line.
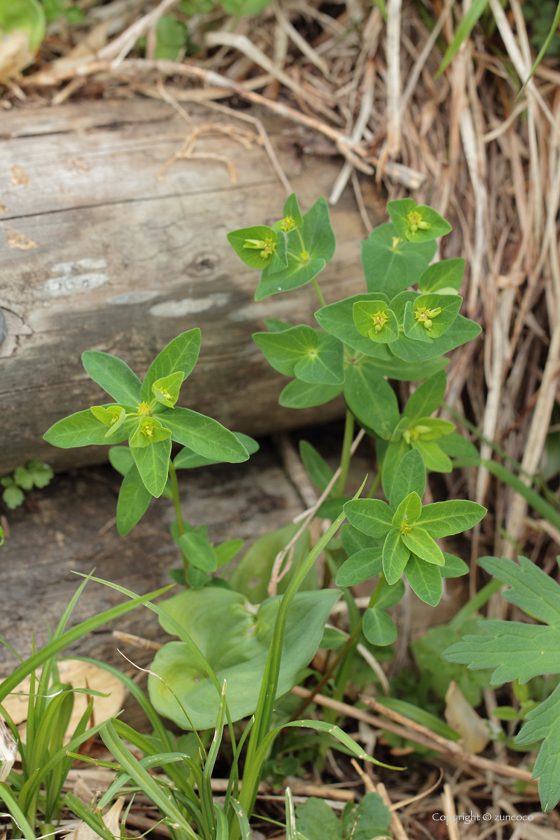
<point x="100" y="253"/>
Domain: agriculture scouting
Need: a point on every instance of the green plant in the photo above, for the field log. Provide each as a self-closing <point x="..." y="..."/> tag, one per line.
<point x="522" y="651"/>
<point x="371" y="818"/>
<point x="36" y="474"/>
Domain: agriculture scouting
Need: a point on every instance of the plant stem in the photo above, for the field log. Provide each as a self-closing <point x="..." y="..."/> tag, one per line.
<point x="345" y="458"/>
<point x="350" y="641"/>
<point x="178" y="514"/>
<point x="319" y="292"/>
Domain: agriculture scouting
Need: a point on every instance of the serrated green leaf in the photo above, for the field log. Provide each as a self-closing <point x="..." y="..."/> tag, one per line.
<point x="113" y="375"/>
<point x="319" y="246"/>
<point x="395" y="556"/>
<point x="544" y="723"/>
<point x="81" y="429"/>
<point x="379" y="628"/>
<point x="424" y="546"/>
<point x="300" y="394"/>
<point x="360" y="567"/>
<point x="153" y="464"/>
<point x="371" y="399"/>
<point x="442" y="519"/>
<point x="180" y="354"/>
<point x="389" y="266"/>
<point x="204" y="435"/>
<point x="172" y="36"/>
<point x="444" y="277"/>
<point x="427" y="397"/>
<point x="370" y="819"/>
<point x="133" y="499"/>
<point x="410" y="477"/>
<point x="372" y="516"/>
<point x="41" y="473"/>
<point x="23" y="478"/>
<point x="417" y="223"/>
<point x="532" y="590"/>
<point x="338" y="320"/>
<point x="425" y="580"/>
<point x="13" y="497"/>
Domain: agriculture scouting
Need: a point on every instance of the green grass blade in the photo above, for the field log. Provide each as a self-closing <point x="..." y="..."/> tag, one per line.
<point x="16" y="812"/>
<point x="94" y="821"/>
<point x="463" y="31"/>
<point x="543" y="49"/>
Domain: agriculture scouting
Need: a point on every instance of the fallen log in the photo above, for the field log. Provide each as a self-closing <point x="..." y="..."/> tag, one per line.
<point x="101" y="253"/>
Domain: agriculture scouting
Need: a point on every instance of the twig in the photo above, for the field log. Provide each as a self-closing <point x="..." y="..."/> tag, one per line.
<point x="450" y="813"/>
<point x="300" y="42"/>
<point x="120" y="46"/>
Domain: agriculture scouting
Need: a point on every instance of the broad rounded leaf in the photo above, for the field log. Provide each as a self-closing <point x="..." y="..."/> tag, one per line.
<point x="360" y="567"/>
<point x="113" y="375"/>
<point x="133" y="499"/>
<point x="425" y="580"/>
<point x="379" y="628"/>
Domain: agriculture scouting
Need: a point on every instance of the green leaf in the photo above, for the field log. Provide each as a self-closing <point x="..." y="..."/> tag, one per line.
<point x="391" y="266"/>
<point x="273" y="325"/>
<point x="395" y="556"/>
<point x="187" y="459"/>
<point x="292" y="214"/>
<point x="301" y="351"/>
<point x="390" y="595"/>
<point x="444" y="277"/>
<point x="172" y="36"/>
<point x="354" y="540"/>
<point x="427" y="397"/>
<point x="226" y="551"/>
<point x="148" y="432"/>
<point x="454" y="566"/>
<point x="424" y="546"/>
<point x="430" y="316"/>
<point x="133" y="499"/>
<point x="417" y="223"/>
<point x="532" y="590"/>
<point x="392" y="459"/>
<point x="80" y="429"/>
<point x="338" y="320"/>
<point x="41" y="473"/>
<point x="376" y="321"/>
<point x="434" y="458"/>
<point x="408" y="511"/>
<point x="379" y="628"/>
<point x="372" y="516"/>
<point x="121" y="459"/>
<point x="456" y="446"/>
<point x="13" y="497"/>
<point x="179" y="355"/>
<point x="463" y="31"/>
<point x="332" y="639"/>
<point x="425" y="580"/>
<point x="241" y="8"/>
<point x="319" y="247"/>
<point x="254" y="245"/>
<point x="199" y="551"/>
<point x="166" y="390"/>
<point x="432" y="428"/>
<point x="371" y="818"/>
<point x="153" y="464"/>
<point x="542" y="52"/>
<point x="236" y="647"/>
<point x="360" y="567"/>
<point x="26" y="15"/>
<point x="317" y="468"/>
<point x="460" y="332"/>
<point x="421" y="716"/>
<point x="316" y="821"/>
<point x="332" y="508"/>
<point x="410" y="477"/>
<point x="544" y="723"/>
<point x="113" y="375"/>
<point x="23" y="478"/>
<point x="252" y="574"/>
<point x="442" y="519"/>
<point x="407" y="371"/>
<point x="371" y="399"/>
<point x="300" y="394"/>
<point x="204" y="435"/>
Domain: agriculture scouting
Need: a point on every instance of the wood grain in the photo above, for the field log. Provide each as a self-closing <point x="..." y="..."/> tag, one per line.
<point x="98" y="253"/>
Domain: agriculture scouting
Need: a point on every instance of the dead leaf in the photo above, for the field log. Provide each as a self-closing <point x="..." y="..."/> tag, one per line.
<point x="8" y="751"/>
<point x="19" y="177"/>
<point x="14" y="54"/>
<point x="15" y="239"/>
<point x="79" y="675"/>
<point x="461" y="716"/>
<point x="111" y="820"/>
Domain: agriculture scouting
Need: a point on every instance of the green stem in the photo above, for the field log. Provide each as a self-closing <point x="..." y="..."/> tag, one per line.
<point x="178" y="514"/>
<point x="319" y="292"/>
<point x="345" y="458"/>
<point x="350" y="641"/>
<point x="295" y="256"/>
